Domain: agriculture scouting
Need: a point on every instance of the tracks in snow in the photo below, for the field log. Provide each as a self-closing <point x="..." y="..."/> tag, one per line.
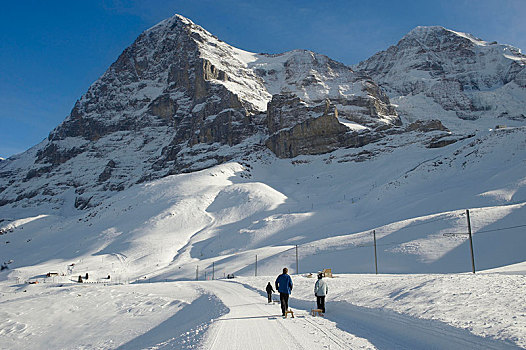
<point x="254" y="324"/>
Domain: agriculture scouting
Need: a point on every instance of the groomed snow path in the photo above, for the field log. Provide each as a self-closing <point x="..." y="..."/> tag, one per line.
<point x="252" y="323"/>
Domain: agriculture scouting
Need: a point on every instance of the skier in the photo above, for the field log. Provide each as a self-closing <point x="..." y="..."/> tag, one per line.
<point x="320" y="291"/>
<point x="270" y="290"/>
<point x="284" y="286"/>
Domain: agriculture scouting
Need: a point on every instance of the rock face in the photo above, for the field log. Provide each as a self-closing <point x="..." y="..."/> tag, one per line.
<point x="426" y="126"/>
<point x="313" y="78"/>
<point x="311" y="136"/>
<point x="311" y="94"/>
<point x="317" y="135"/>
<point x="179" y="100"/>
<point x="434" y="72"/>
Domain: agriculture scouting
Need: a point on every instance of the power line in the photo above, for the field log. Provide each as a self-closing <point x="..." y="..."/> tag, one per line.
<point x="502" y="229"/>
<point x="319" y="249"/>
<point x="368" y="245"/>
<point x="486" y="231"/>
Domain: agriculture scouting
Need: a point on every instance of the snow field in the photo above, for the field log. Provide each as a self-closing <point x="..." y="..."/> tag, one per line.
<point x="327" y="205"/>
<point x="65" y="316"/>
<point x="488" y="305"/>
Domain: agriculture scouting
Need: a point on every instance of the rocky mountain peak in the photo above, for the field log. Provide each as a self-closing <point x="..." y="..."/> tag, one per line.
<point x="441" y="51"/>
<point x="434" y="36"/>
<point x="178" y="100"/>
<point x="435" y="71"/>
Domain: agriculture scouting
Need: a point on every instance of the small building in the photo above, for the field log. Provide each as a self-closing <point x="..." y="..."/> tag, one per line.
<point x="327" y="273"/>
<point x="52" y="274"/>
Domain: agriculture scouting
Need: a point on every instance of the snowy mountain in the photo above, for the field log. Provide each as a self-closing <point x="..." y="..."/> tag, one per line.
<point x="178" y="100"/>
<point x="467" y="83"/>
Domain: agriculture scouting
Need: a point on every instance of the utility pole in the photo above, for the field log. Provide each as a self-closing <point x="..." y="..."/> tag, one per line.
<point x="470" y="242"/>
<point x="213" y="270"/>
<point x="197" y="273"/>
<point x="297" y="268"/>
<point x="256" y="271"/>
<point x="375" y="256"/>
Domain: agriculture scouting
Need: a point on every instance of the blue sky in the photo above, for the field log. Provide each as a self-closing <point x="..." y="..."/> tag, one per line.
<point x="52" y="51"/>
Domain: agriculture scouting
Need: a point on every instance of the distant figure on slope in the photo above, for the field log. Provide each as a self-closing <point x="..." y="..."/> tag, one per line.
<point x="284" y="287"/>
<point x="270" y="290"/>
<point x="320" y="291"/>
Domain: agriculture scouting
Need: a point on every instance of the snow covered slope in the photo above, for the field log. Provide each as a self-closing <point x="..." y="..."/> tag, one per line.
<point x="223" y="217"/>
<point x="467" y="83"/>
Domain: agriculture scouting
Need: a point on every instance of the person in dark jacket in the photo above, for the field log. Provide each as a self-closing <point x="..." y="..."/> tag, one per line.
<point x="270" y="290"/>
<point x="284" y="286"/>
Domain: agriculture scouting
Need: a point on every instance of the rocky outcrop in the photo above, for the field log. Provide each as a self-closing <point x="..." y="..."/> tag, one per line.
<point x="316" y="134"/>
<point x="163" y="106"/>
<point x="299" y="119"/>
<point x="426" y="126"/>
<point x="287" y="110"/>
<point x="312" y="78"/>
<point x="106" y="173"/>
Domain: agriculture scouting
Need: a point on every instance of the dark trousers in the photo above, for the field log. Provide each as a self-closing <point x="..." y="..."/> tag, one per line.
<point x="284" y="299"/>
<point x="269" y="296"/>
<point x="320" y="300"/>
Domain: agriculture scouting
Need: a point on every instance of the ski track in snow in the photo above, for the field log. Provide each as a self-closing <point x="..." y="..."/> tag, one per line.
<point x="253" y="324"/>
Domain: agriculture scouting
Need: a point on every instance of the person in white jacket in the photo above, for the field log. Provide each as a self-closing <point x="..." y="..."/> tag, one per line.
<point x="320" y="291"/>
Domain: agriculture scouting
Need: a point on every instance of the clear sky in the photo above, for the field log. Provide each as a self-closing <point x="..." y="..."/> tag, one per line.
<point x="52" y="51"/>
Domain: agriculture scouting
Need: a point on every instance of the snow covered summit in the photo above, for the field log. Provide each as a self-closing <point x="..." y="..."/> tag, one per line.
<point x="467" y="83"/>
